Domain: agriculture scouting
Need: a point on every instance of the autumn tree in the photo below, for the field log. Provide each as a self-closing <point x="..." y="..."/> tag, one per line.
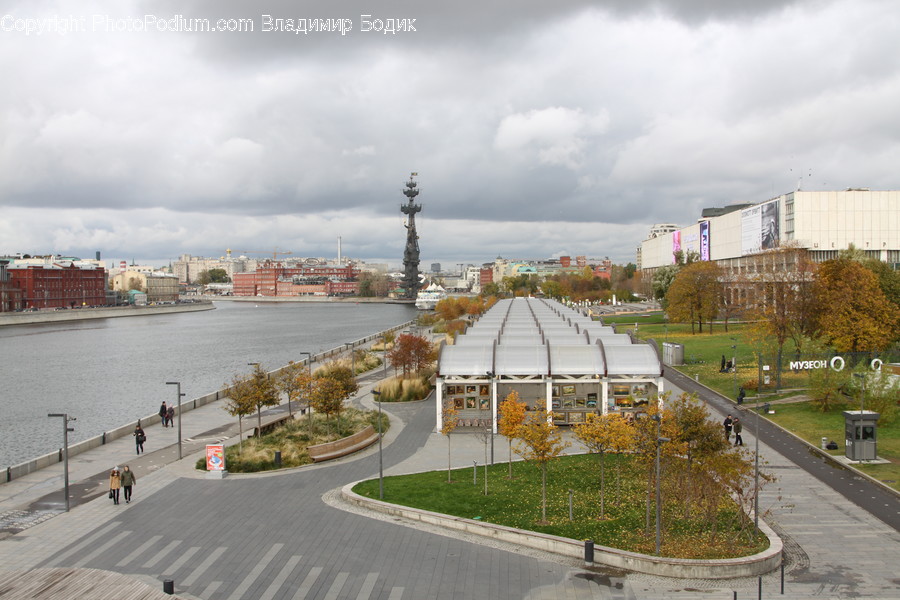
<point x="694" y="294"/>
<point x="239" y="403"/>
<point x="854" y="313"/>
<point x="662" y="281"/>
<point x="512" y="415"/>
<point x="602" y="434"/>
<point x="448" y="424"/>
<point x="263" y="393"/>
<point x="647" y="431"/>
<point x="539" y="443"/>
<point x="411" y="354"/>
<point x="293" y="381"/>
<point x="327" y="396"/>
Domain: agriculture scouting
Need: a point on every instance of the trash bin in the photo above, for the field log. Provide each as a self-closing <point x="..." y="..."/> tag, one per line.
<point x="824" y="443"/>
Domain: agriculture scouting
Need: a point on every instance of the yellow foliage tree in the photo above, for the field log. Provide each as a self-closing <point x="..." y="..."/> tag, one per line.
<point x="602" y="434"/>
<point x="539" y="443"/>
<point x="512" y="415"/>
<point x="448" y="424"/>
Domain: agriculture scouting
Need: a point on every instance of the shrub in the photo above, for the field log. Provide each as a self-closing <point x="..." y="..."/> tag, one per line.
<point x="750" y="385"/>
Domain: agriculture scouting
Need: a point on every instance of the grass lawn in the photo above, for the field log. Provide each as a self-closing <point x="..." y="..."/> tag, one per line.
<point x="516" y="503"/>
<point x="812" y="425"/>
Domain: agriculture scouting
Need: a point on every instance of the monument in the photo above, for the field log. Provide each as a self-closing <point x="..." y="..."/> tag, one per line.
<point x="410" y="283"/>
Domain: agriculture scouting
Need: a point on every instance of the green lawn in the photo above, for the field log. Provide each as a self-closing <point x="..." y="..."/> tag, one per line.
<point x="812" y="425"/>
<point x="517" y="503"/>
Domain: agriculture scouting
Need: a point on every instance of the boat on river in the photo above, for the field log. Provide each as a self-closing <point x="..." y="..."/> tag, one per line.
<point x="428" y="298"/>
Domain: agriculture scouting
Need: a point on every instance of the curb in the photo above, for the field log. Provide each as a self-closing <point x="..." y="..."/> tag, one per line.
<point x="746" y="566"/>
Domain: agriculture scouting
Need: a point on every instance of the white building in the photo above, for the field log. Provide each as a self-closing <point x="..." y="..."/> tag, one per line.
<point x="823" y="223"/>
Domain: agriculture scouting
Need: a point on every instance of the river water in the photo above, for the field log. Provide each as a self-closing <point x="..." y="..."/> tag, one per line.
<point x="107" y="372"/>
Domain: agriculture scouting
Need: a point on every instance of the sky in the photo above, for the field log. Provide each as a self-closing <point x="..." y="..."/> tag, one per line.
<point x="537" y="129"/>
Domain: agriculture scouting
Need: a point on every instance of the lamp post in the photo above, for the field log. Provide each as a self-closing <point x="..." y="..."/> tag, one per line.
<point x="308" y="383"/>
<point x="490" y="375"/>
<point x="258" y="405"/>
<point x="659" y="442"/>
<point x="756" y="470"/>
<point x="734" y="369"/>
<point x="352" y="361"/>
<point x="862" y="391"/>
<point x="384" y="357"/>
<point x="377" y="395"/>
<point x="66" y="429"/>
<point x="180" y="395"/>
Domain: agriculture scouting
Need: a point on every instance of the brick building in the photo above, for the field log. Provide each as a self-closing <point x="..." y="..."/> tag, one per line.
<point x="280" y="280"/>
<point x="59" y="284"/>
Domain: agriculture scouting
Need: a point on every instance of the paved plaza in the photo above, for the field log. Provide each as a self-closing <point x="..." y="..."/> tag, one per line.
<point x="288" y="535"/>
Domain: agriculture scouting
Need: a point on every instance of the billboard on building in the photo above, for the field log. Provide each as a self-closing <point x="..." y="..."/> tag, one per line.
<point x="676" y="245"/>
<point x="704" y="240"/>
<point x="759" y="227"/>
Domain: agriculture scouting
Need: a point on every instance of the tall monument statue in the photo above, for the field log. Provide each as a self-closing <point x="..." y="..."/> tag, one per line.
<point x="410" y="282"/>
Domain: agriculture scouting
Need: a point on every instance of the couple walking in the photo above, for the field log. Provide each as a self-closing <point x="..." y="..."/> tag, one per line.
<point x="166" y="414"/>
<point x="736" y="426"/>
<point x="123" y="479"/>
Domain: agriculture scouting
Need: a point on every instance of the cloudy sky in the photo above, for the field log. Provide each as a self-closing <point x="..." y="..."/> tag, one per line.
<point x="537" y="128"/>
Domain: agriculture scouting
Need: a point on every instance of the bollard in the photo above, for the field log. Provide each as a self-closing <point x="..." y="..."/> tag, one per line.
<point x="824" y="443"/>
<point x="474" y="472"/>
<point x="571" y="492"/>
<point x="168" y="586"/>
<point x="588" y="553"/>
<point x="278" y="459"/>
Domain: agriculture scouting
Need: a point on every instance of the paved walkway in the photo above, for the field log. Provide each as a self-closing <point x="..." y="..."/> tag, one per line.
<point x="272" y="535"/>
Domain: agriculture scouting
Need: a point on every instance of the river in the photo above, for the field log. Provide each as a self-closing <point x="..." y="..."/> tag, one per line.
<point x="108" y="372"/>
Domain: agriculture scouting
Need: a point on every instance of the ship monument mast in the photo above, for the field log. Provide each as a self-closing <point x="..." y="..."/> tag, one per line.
<point x="410" y="283"/>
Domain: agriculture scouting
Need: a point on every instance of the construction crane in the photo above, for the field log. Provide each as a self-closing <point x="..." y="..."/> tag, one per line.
<point x="275" y="253"/>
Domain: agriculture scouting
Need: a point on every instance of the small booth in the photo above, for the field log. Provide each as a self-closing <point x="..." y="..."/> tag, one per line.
<point x="861" y="434"/>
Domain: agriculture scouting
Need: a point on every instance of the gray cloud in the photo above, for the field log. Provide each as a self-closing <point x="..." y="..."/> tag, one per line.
<point x="536" y="130"/>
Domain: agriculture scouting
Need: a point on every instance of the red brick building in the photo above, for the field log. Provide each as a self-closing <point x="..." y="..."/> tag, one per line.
<point x="10" y="295"/>
<point x="59" y="285"/>
<point x="278" y="280"/>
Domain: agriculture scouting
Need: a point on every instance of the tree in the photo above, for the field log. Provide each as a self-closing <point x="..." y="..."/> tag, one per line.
<point x="694" y="294"/>
<point x="662" y="280"/>
<point x="262" y="393"/>
<point x="240" y="403"/>
<point x="411" y="353"/>
<point x="448" y="424"/>
<point x="854" y="314"/>
<point x="293" y="382"/>
<point x="512" y="415"/>
<point x="327" y="396"/>
<point x="601" y="434"/>
<point x="218" y="276"/>
<point x="539" y="443"/>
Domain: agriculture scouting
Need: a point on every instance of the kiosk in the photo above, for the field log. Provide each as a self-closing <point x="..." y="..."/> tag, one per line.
<point x="861" y="435"/>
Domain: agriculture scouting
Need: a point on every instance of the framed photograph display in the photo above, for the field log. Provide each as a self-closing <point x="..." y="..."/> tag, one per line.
<point x="555" y="391"/>
<point x="458" y="403"/>
<point x="640" y="389"/>
<point x="484" y="390"/>
<point x="576" y="417"/>
<point x="555" y="403"/>
<point x="579" y="402"/>
<point x="484" y="403"/>
<point x="568" y="402"/>
<point x="471" y="389"/>
<point x="559" y="418"/>
<point x="619" y="389"/>
<point x="568" y="390"/>
<point x="471" y="403"/>
<point x="592" y="400"/>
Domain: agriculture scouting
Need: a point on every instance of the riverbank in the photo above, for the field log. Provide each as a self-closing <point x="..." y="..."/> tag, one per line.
<point x="326" y="299"/>
<point x="82" y="314"/>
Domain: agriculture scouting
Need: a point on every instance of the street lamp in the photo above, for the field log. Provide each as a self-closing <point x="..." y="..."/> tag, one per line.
<point x="862" y="391"/>
<point x="377" y="395"/>
<point x="258" y="405"/>
<point x="352" y="361"/>
<point x="734" y="367"/>
<point x="659" y="442"/>
<point x="308" y="383"/>
<point x="66" y="429"/>
<point x="180" y="395"/>
<point x="490" y="375"/>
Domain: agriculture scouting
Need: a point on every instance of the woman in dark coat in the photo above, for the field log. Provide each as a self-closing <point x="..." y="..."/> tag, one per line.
<point x="128" y="481"/>
<point x="139" y="438"/>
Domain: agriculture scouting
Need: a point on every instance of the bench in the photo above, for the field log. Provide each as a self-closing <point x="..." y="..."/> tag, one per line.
<point x="344" y="446"/>
<point x="271" y="425"/>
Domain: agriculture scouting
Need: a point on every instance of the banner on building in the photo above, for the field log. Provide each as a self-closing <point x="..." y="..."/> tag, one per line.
<point x="704" y="240"/>
<point x="676" y="245"/>
<point x="760" y="229"/>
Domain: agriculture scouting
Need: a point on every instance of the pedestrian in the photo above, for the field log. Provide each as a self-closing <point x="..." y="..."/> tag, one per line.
<point x="128" y="481"/>
<point x="727" y="423"/>
<point x="139" y="438"/>
<point x="738" y="428"/>
<point x="170" y="415"/>
<point x="722" y="365"/>
<point x="162" y="413"/>
<point x="115" y="482"/>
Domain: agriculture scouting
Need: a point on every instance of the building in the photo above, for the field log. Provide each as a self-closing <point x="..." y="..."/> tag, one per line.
<point x="56" y="284"/>
<point x="159" y="287"/>
<point x="557" y="359"/>
<point x="11" y="297"/>
<point x="188" y="268"/>
<point x="821" y="222"/>
<point x="291" y="279"/>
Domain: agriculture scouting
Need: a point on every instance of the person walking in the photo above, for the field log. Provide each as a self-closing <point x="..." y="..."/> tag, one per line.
<point x="128" y="481"/>
<point x="170" y="416"/>
<point x="738" y="428"/>
<point x="162" y="413"/>
<point x="115" y="483"/>
<point x="139" y="438"/>
<point x="728" y="423"/>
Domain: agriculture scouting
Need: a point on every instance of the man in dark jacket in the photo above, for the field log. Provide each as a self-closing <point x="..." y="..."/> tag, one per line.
<point x="738" y="428"/>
